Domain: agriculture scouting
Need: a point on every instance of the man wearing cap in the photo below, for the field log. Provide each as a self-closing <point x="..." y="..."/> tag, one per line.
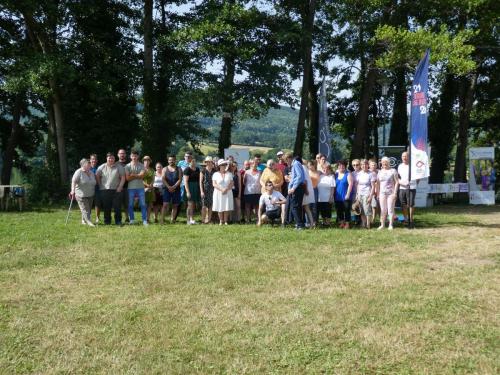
<point x="111" y="177"/>
<point x="281" y="163"/>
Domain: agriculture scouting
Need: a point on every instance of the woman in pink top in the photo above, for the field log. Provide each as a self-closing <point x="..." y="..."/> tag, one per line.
<point x="387" y="187"/>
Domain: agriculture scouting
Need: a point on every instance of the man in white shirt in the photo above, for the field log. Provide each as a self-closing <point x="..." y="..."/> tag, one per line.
<point x="271" y="205"/>
<point x="407" y="191"/>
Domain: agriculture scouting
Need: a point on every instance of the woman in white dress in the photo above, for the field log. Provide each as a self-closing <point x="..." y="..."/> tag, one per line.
<point x="223" y="194"/>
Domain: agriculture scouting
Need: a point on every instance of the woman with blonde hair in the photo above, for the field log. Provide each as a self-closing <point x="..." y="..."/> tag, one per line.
<point x="387" y="187"/>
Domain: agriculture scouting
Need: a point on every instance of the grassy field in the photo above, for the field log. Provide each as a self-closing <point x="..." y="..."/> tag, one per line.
<point x="237" y="299"/>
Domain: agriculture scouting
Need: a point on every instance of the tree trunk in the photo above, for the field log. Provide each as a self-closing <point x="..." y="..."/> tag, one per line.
<point x="442" y="127"/>
<point x="227" y="105"/>
<point x="61" y="143"/>
<point x="313" y="116"/>
<point x="161" y="95"/>
<point x="307" y="25"/>
<point x="375" y="131"/>
<point x="45" y="44"/>
<point x="148" y="62"/>
<point x="149" y="132"/>
<point x="51" y="150"/>
<point x="466" y="100"/>
<point x="10" y="149"/>
<point x="399" y="127"/>
<point x="361" y="122"/>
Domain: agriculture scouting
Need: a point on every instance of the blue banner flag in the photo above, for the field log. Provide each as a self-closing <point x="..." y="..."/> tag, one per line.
<point x="419" y="156"/>
<point x="325" y="141"/>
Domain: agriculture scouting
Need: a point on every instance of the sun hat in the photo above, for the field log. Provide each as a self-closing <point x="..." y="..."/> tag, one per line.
<point x="279" y="153"/>
<point x="208" y="158"/>
<point x="222" y="162"/>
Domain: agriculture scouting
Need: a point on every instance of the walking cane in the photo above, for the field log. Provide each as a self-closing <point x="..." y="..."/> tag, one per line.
<point x="69" y="210"/>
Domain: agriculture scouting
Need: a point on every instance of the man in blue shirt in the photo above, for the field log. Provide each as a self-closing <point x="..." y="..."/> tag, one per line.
<point x="257" y="161"/>
<point x="296" y="191"/>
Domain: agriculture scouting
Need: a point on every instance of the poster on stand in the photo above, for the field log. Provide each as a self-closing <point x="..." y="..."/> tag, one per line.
<point x="482" y="175"/>
<point x="239" y="154"/>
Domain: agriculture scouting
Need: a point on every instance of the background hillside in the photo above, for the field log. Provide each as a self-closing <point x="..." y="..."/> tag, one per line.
<point x="275" y="130"/>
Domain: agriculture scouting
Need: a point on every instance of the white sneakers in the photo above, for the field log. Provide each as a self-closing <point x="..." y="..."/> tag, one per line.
<point x="390" y="227"/>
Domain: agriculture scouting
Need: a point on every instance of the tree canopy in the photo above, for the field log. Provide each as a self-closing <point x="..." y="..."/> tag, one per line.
<point x="81" y="77"/>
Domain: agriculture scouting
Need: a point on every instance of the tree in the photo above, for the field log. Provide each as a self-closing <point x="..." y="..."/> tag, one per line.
<point x="241" y="40"/>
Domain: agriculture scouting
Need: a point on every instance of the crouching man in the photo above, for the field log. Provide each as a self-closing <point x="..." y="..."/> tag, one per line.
<point x="271" y="205"/>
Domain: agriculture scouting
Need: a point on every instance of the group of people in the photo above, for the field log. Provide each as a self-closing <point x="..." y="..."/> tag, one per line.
<point x="287" y="190"/>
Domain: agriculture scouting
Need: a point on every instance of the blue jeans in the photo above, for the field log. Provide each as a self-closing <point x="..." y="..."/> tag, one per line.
<point x="142" y="201"/>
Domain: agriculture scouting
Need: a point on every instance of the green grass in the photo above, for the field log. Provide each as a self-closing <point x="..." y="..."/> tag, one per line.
<point x="237" y="299"/>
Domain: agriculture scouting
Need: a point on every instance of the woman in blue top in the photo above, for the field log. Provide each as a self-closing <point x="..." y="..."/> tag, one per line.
<point x="344" y="183"/>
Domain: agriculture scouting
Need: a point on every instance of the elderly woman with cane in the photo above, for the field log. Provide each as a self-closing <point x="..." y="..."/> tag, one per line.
<point x="83" y="190"/>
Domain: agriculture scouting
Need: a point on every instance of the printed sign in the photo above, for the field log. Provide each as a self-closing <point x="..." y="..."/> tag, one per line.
<point x="482" y="175"/>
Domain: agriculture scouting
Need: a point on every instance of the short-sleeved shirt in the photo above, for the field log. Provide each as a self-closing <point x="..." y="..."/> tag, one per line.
<point x="267" y="200"/>
<point x="193" y="175"/>
<point x="325" y="185"/>
<point x="123" y="164"/>
<point x="84" y="183"/>
<point x="386" y="179"/>
<point x="403" y="171"/>
<point x="364" y="182"/>
<point x="110" y="176"/>
<point x="136" y="183"/>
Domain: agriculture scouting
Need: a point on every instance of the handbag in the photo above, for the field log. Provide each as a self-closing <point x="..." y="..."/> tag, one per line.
<point x="356" y="207"/>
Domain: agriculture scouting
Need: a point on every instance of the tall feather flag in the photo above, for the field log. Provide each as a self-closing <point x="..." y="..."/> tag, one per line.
<point x="419" y="156"/>
<point x="325" y="146"/>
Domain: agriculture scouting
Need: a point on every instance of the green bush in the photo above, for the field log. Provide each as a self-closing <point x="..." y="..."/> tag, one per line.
<point x="45" y="187"/>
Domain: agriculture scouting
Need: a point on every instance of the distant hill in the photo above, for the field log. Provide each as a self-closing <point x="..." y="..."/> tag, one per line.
<point x="275" y="130"/>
